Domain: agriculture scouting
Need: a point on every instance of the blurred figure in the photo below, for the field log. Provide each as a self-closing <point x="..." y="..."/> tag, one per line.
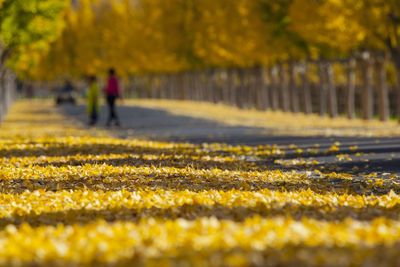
<point x="68" y="87"/>
<point x="93" y="107"/>
<point x="19" y="86"/>
<point x="29" y="91"/>
<point x="66" y="94"/>
<point x="112" y="93"/>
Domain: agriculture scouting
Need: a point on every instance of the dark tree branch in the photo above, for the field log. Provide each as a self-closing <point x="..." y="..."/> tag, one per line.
<point x="4" y="55"/>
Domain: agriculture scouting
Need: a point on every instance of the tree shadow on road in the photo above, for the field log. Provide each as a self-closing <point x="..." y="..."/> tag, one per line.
<point x="161" y="125"/>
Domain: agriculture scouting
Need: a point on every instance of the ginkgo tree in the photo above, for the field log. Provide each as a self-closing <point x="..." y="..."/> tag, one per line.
<point x="349" y="25"/>
<point x="153" y="36"/>
<point x="26" y="29"/>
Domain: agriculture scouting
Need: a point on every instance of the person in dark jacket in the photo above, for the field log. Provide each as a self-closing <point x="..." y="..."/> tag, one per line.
<point x="112" y="93"/>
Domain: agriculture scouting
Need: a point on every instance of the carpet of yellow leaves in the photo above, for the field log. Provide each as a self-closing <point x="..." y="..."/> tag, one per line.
<point x="70" y="196"/>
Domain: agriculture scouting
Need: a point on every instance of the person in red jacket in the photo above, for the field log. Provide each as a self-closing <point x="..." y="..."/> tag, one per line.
<point x="112" y="93"/>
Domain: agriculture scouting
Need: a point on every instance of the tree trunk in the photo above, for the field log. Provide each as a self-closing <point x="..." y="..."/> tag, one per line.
<point x="195" y="85"/>
<point x="262" y="99"/>
<point x="224" y="86"/>
<point x="332" y="101"/>
<point x="158" y="87"/>
<point x="273" y="88"/>
<point x="322" y="88"/>
<point x="138" y="86"/>
<point x="167" y="86"/>
<point x="210" y="85"/>
<point x="294" y="94"/>
<point x="307" y="104"/>
<point x="2" y="95"/>
<point x="351" y="85"/>
<point x="395" y="54"/>
<point x="398" y="89"/>
<point x="10" y="89"/>
<point x="149" y="86"/>
<point x="3" y="98"/>
<point x="394" y="48"/>
<point x="218" y="85"/>
<point x="171" y="86"/>
<point x="132" y="87"/>
<point x="204" y="85"/>
<point x="251" y="101"/>
<point x="242" y="88"/>
<point x="232" y="87"/>
<point x="283" y="86"/>
<point x="200" y="85"/>
<point x="381" y="86"/>
<point x="163" y="86"/>
<point x="145" y="87"/>
<point x="367" y="90"/>
<point x="188" y="85"/>
<point x="180" y="86"/>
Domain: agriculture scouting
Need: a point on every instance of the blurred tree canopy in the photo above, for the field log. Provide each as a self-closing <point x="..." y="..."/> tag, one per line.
<point x="153" y="36"/>
<point x="27" y="27"/>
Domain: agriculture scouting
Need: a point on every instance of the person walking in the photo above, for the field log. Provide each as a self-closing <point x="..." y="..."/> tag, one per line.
<point x="112" y="93"/>
<point x="93" y="107"/>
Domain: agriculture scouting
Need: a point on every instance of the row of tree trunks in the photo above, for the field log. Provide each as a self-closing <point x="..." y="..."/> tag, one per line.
<point x="286" y="86"/>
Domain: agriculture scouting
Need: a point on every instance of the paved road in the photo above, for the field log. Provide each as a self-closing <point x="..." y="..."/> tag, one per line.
<point x="380" y="155"/>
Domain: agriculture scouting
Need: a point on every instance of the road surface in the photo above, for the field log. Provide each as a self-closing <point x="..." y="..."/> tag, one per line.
<point x="381" y="155"/>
